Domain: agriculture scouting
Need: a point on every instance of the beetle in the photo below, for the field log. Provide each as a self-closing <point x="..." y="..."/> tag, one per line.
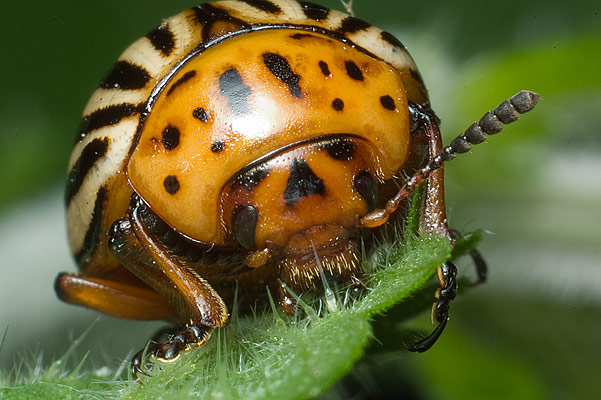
<point x="250" y="144"/>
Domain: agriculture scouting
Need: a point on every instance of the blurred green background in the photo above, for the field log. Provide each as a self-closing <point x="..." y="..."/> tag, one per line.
<point x="533" y="331"/>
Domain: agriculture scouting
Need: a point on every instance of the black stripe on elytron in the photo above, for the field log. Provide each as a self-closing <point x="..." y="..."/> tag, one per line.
<point x="90" y="241"/>
<point x="339" y="149"/>
<point x="353" y="70"/>
<point x="314" y="11"/>
<point x="352" y="24"/>
<point x="264" y="5"/>
<point x="104" y="117"/>
<point x="302" y="182"/>
<point x="281" y="69"/>
<point x="125" y="76"/>
<point x="235" y="90"/>
<point x="207" y="13"/>
<point x="251" y="178"/>
<point x="162" y="39"/>
<point x="90" y="154"/>
<point x="391" y="39"/>
<point x="185" y="78"/>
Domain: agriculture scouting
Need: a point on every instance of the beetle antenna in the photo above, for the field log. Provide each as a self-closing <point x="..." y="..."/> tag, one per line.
<point x="491" y="123"/>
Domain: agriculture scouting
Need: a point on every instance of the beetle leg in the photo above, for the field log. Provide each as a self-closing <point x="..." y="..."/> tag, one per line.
<point x="114" y="297"/>
<point x="447" y="275"/>
<point x="195" y="301"/>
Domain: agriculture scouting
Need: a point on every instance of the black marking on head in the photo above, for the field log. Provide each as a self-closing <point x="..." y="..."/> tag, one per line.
<point x="217" y="146"/>
<point x="264" y="5"/>
<point x="352" y="24"/>
<point x="391" y="39"/>
<point x="104" y="117"/>
<point x="244" y="225"/>
<point x="251" y="178"/>
<point x="162" y="39"/>
<point x="88" y="157"/>
<point x="90" y="241"/>
<point x="235" y="90"/>
<point x="367" y="187"/>
<point x="125" y="76"/>
<point x="302" y="182"/>
<point x="353" y="70"/>
<point x="185" y="78"/>
<point x="200" y="114"/>
<point x="325" y="69"/>
<point x="171" y="184"/>
<point x="314" y="11"/>
<point x="338" y="104"/>
<point x="170" y="137"/>
<point x="340" y="149"/>
<point x="388" y="102"/>
<point x="281" y="69"/>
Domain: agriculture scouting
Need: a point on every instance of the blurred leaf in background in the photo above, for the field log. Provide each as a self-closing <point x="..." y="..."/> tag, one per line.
<point x="532" y="331"/>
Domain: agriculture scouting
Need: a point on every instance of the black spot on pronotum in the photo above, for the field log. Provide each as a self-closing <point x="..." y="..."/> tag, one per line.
<point x="90" y="154"/>
<point x="185" y="78"/>
<point x="250" y="179"/>
<point x="90" y="241"/>
<point x="391" y="39"/>
<point x="244" y="224"/>
<point x="125" y="76"/>
<point x="217" y="146"/>
<point x="302" y="182"/>
<point x="104" y="117"/>
<point x="353" y="70"/>
<point x="280" y="68"/>
<point x="314" y="11"/>
<point x="340" y="149"/>
<point x="170" y="137"/>
<point x="235" y="90"/>
<point x="171" y="184"/>
<point x="367" y="187"/>
<point x="162" y="39"/>
<point x="387" y="102"/>
<point x="325" y="69"/>
<point x="352" y="24"/>
<point x="338" y="104"/>
<point x="264" y="5"/>
<point x="200" y="114"/>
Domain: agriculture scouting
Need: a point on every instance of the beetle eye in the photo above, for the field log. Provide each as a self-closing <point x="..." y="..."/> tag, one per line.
<point x="244" y="224"/>
<point x="367" y="187"/>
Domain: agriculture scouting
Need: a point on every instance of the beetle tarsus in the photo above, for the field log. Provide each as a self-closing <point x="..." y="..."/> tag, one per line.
<point x="447" y="274"/>
<point x="170" y="351"/>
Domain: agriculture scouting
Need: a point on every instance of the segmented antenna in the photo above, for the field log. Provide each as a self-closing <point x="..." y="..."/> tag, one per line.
<point x="491" y="123"/>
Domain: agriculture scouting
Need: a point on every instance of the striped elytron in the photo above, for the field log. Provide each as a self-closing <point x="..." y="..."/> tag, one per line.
<point x="237" y="144"/>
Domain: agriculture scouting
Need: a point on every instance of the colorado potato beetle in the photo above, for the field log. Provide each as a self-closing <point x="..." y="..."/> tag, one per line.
<point x="247" y="144"/>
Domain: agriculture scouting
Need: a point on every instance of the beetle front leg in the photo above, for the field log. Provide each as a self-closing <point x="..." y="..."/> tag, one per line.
<point x="196" y="302"/>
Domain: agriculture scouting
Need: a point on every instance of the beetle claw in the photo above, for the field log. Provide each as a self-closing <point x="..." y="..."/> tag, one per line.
<point x="447" y="275"/>
<point x="171" y="350"/>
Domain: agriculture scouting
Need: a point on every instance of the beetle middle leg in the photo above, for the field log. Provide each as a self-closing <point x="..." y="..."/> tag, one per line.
<point x="195" y="301"/>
